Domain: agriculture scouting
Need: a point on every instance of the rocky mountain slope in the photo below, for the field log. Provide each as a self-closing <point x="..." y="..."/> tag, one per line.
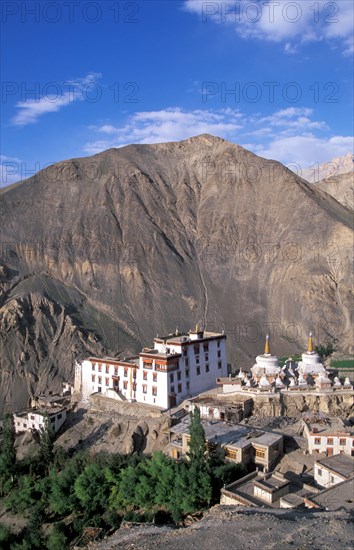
<point x="330" y="169"/>
<point x="100" y="254"/>
<point x="340" y="187"/>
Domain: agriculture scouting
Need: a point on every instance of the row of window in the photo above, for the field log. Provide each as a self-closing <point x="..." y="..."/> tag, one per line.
<point x="329" y="440"/>
<point x="153" y="389"/>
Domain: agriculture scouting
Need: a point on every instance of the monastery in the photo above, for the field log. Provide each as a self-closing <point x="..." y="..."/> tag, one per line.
<point x="177" y="366"/>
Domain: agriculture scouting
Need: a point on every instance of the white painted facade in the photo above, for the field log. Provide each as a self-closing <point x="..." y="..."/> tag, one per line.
<point x="326" y="477"/>
<point x="331" y="441"/>
<point x="178" y="367"/>
<point x="34" y="420"/>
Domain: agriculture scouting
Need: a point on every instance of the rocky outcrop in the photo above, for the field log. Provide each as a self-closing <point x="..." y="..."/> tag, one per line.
<point x="100" y="254"/>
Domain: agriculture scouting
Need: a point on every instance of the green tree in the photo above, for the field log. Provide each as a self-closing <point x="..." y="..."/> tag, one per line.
<point x="7" y="454"/>
<point x="326" y="350"/>
<point x="197" y="447"/>
<point x="47" y="437"/>
<point x="92" y="489"/>
<point x="57" y="539"/>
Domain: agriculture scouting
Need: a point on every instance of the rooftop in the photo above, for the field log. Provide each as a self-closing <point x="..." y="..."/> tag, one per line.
<point x="184" y="337"/>
<point x="322" y="424"/>
<point x="337" y="497"/>
<point x="229" y="434"/>
<point x="341" y="464"/>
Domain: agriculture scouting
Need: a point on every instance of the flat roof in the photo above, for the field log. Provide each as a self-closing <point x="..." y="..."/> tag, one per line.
<point x="131" y="359"/>
<point x="321" y="424"/>
<point x="156" y="353"/>
<point x="336" y="497"/>
<point x="178" y="338"/>
<point x="271" y="483"/>
<point x="341" y="464"/>
<point x="232" y="435"/>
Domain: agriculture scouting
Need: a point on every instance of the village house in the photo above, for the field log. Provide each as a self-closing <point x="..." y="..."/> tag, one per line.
<point x="177" y="367"/>
<point x="327" y="436"/>
<point x="34" y="419"/>
<point x="241" y="444"/>
<point x="212" y="408"/>
<point x="334" y="469"/>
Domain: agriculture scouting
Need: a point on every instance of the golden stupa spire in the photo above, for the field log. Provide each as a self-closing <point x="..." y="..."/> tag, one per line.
<point x="310" y="344"/>
<point x="196" y="328"/>
<point x="267" y="347"/>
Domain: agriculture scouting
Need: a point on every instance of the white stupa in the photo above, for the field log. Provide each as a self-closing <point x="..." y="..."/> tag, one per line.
<point x="337" y="383"/>
<point x="311" y="362"/>
<point x="266" y="365"/>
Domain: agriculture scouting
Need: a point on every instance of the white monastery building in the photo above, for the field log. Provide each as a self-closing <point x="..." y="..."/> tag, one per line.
<point x="35" y="419"/>
<point x="179" y="366"/>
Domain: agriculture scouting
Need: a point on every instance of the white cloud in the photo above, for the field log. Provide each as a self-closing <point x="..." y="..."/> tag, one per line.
<point x="29" y="110"/>
<point x="291" y="23"/>
<point x="306" y="150"/>
<point x="167" y="125"/>
<point x="287" y="135"/>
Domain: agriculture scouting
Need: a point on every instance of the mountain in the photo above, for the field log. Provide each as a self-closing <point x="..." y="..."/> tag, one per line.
<point x="330" y="169"/>
<point x="340" y="187"/>
<point x="100" y="254"/>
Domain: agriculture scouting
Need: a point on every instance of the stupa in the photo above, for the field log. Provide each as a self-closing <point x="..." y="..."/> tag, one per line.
<point x="266" y="365"/>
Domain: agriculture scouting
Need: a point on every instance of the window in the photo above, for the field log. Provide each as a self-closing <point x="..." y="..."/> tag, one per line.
<point x="206" y="368"/>
<point x="260" y="453"/>
<point x="147" y="365"/>
<point x="187" y="376"/>
<point x="219" y="365"/>
<point x="24" y="425"/>
<point x="231" y="453"/>
<point x="99" y="368"/>
<point x="144" y="388"/>
<point x="154" y="390"/>
<point x="330" y="441"/>
<point x="342" y="441"/>
<point x="184" y="352"/>
<point x="171" y="378"/>
<point x="145" y="375"/>
<point x="179" y="388"/>
<point x="178" y="376"/>
<point x="93" y="378"/>
<point x="172" y="389"/>
<point x="187" y="386"/>
<point x="353" y="443"/>
<point x="125" y="372"/>
<point x="93" y="367"/>
<point x="206" y="347"/>
<point x="154" y="376"/>
<point x="100" y="379"/>
<point x="32" y="417"/>
<point x="332" y="479"/>
<point x="107" y="381"/>
<point x="317" y="441"/>
<point x="59" y="416"/>
<point x="319" y="472"/>
<point x="219" y="354"/>
<point x="116" y="371"/>
<point x="196" y="349"/>
<point x="207" y="357"/>
<point x="198" y="371"/>
<point x="107" y="369"/>
<point x="53" y="419"/>
<point x="197" y="360"/>
<point x="125" y="385"/>
<point x="218" y="343"/>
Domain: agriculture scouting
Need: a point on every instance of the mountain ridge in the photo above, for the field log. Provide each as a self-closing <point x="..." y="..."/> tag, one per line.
<point x="145" y="238"/>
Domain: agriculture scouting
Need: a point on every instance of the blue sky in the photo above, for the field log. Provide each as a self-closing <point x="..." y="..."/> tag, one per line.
<point x="81" y="77"/>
